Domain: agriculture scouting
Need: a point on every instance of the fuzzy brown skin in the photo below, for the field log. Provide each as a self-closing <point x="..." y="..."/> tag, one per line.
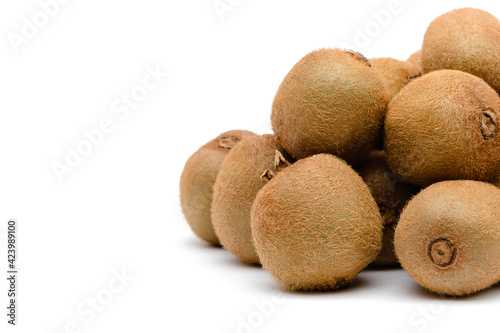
<point x="394" y="73"/>
<point x="443" y="126"/>
<point x="235" y="189"/>
<point x="197" y="181"/>
<point x="387" y="256"/>
<point x="315" y="225"/>
<point x="464" y="39"/>
<point x="391" y="194"/>
<point x="332" y="101"/>
<point x="448" y="237"/>
<point x="416" y="60"/>
<point x="496" y="181"/>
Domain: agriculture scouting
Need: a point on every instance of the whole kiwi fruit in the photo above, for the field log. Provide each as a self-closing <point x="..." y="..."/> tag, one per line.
<point x="444" y="126"/>
<point x="244" y="172"/>
<point x="315" y="224"/>
<point x="416" y="59"/>
<point x="197" y="181"/>
<point x="331" y="101"/>
<point x="448" y="237"/>
<point x="465" y="39"/>
<point x="394" y="73"/>
<point x="391" y="194"/>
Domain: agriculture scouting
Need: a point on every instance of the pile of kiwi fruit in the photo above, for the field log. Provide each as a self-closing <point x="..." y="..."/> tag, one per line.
<point x="372" y="163"/>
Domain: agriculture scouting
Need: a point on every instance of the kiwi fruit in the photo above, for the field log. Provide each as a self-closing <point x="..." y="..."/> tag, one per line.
<point x="448" y="237"/>
<point x="315" y="225"/>
<point x="465" y="39"/>
<point x="394" y="73"/>
<point x="444" y="126"/>
<point x="496" y="181"/>
<point x="416" y="59"/>
<point x="244" y="172"/>
<point x="197" y="181"/>
<point x="391" y="194"/>
<point x="387" y="256"/>
<point x="332" y="101"/>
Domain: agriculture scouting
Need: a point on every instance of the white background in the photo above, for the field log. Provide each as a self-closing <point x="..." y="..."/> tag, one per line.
<point x="119" y="208"/>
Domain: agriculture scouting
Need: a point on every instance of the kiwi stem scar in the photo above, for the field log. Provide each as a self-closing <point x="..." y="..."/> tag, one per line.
<point x="488" y="123"/>
<point x="442" y="252"/>
<point x="228" y="142"/>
